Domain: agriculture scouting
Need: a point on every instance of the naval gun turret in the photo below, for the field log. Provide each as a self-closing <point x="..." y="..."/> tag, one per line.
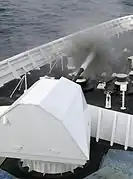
<point x="53" y="144"/>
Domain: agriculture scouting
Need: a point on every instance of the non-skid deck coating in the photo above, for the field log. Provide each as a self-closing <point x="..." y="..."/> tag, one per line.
<point x="107" y="173"/>
<point x="97" y="98"/>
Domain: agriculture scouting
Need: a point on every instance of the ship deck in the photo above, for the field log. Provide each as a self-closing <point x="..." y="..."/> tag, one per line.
<point x="93" y="96"/>
<point x="97" y="151"/>
<point x="97" y="98"/>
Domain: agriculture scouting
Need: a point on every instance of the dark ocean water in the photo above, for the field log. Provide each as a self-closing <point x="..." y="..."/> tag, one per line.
<point x="25" y="24"/>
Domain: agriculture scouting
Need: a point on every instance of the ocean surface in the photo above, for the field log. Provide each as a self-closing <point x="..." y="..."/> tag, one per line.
<point x="25" y="24"/>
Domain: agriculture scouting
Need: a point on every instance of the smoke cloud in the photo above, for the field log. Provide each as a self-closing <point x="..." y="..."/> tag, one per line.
<point x="110" y="53"/>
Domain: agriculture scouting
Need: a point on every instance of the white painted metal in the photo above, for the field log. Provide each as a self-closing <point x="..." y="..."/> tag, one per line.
<point x="17" y="65"/>
<point x="2" y="159"/>
<point x="18" y="85"/>
<point x="131" y="73"/>
<point x="88" y="60"/>
<point x="26" y="85"/>
<point x="47" y="77"/>
<point x="48" y="167"/>
<point x="123" y="88"/>
<point x="123" y="101"/>
<point x="51" y="120"/>
<point x="81" y="80"/>
<point x="108" y="100"/>
<point x="130" y="59"/>
<point x="70" y="64"/>
<point x="112" y="126"/>
<point x="52" y="66"/>
<point x="2" y="110"/>
<point x="101" y="85"/>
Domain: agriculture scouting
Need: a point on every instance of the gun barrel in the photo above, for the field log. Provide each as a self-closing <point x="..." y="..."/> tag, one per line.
<point x="84" y="66"/>
<point x="87" y="61"/>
